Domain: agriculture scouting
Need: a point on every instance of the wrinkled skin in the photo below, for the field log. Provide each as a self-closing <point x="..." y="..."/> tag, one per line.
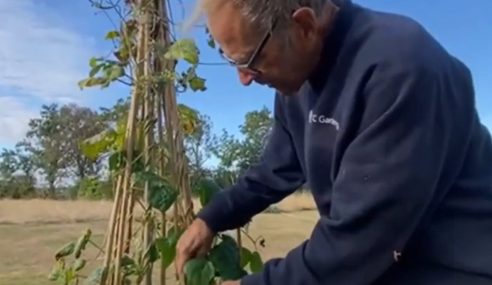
<point x="284" y="68"/>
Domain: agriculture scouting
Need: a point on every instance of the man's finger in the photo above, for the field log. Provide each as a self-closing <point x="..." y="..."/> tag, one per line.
<point x="182" y="256"/>
<point x="179" y="263"/>
<point x="180" y="275"/>
<point x="180" y="278"/>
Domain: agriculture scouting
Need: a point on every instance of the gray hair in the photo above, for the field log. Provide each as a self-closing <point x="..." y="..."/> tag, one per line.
<point x="262" y="13"/>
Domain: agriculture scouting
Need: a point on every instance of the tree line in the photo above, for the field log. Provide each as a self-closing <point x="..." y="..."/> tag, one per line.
<point x="52" y="162"/>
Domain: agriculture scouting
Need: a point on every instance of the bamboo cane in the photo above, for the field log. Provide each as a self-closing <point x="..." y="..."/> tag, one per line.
<point x="130" y="142"/>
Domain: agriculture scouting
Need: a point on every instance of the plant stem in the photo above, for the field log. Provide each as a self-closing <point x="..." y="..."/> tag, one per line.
<point x="96" y="246"/>
<point x="239" y="241"/>
<point x="148" y="118"/>
<point x="163" y="233"/>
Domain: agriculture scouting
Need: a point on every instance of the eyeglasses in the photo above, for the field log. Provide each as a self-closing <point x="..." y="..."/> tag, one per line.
<point x="248" y="65"/>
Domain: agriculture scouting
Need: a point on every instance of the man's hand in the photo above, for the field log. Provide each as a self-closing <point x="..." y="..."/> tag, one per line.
<point x="196" y="241"/>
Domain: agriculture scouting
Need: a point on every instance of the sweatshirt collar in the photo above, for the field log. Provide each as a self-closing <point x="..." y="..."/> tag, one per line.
<point x="333" y="42"/>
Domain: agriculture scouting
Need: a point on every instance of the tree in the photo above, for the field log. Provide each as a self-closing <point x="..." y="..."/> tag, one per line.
<point x="117" y="113"/>
<point x="80" y="123"/>
<point x="8" y="164"/>
<point x="25" y="161"/>
<point x="47" y="144"/>
<point x="16" y="174"/>
<point x="256" y="128"/>
<point x="237" y="155"/>
<point x="199" y="144"/>
<point x="53" y="143"/>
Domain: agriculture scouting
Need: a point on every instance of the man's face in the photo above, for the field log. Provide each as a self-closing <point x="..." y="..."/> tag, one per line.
<point x="272" y="63"/>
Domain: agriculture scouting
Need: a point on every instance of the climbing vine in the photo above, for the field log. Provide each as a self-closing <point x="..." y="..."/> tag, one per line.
<point x="146" y="161"/>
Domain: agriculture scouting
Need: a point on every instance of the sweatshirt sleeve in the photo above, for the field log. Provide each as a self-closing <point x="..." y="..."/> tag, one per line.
<point x="387" y="181"/>
<point x="275" y="176"/>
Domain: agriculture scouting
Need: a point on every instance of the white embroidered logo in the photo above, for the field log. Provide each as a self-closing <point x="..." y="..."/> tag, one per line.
<point x="314" y="118"/>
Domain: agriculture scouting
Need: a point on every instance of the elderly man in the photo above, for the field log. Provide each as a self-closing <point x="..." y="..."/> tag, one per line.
<point x="379" y="120"/>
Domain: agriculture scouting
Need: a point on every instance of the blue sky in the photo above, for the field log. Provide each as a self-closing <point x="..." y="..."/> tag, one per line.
<point x="45" y="46"/>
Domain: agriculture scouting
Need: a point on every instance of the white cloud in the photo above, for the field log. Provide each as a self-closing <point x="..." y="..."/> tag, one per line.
<point x="14" y="120"/>
<point x="39" y="55"/>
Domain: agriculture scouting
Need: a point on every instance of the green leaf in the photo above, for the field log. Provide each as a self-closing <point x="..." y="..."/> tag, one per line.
<point x="93" y="81"/>
<point x="127" y="261"/>
<point x="173" y="234"/>
<point x="57" y="271"/>
<point x="188" y="119"/>
<point x="150" y="177"/>
<point x="256" y="264"/>
<point x="97" y="145"/>
<point x="129" y="265"/>
<point x="117" y="161"/>
<point x="69" y="276"/>
<point x="167" y="251"/>
<point x="95" y="70"/>
<point x="162" y="194"/>
<point x="119" y="140"/>
<point x="115" y="72"/>
<point x="105" y="84"/>
<point x="81" y="243"/>
<point x="66" y="250"/>
<point x="245" y="257"/>
<point x="206" y="190"/>
<point x="122" y="54"/>
<point x="225" y="258"/>
<point x="95" y="276"/>
<point x="78" y="264"/>
<point x="197" y="84"/>
<point x="199" y="271"/>
<point x="183" y="49"/>
<point x="111" y="35"/>
<point x="93" y="62"/>
<point x="152" y="253"/>
<point x="138" y="164"/>
<point x="167" y="246"/>
<point x="163" y="199"/>
<point x="191" y="79"/>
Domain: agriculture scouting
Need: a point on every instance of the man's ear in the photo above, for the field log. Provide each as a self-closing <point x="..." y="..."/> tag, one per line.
<point x="305" y="23"/>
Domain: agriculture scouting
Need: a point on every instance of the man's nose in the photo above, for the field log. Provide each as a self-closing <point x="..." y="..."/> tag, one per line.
<point x="245" y="77"/>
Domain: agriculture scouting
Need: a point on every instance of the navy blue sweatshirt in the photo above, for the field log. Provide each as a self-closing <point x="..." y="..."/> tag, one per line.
<point x="386" y="135"/>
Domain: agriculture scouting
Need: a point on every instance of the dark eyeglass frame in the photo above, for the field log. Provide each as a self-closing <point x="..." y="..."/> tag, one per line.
<point x="253" y="57"/>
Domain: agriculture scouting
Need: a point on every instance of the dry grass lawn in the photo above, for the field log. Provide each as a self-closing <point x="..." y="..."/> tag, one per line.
<point x="38" y="211"/>
<point x="31" y="231"/>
